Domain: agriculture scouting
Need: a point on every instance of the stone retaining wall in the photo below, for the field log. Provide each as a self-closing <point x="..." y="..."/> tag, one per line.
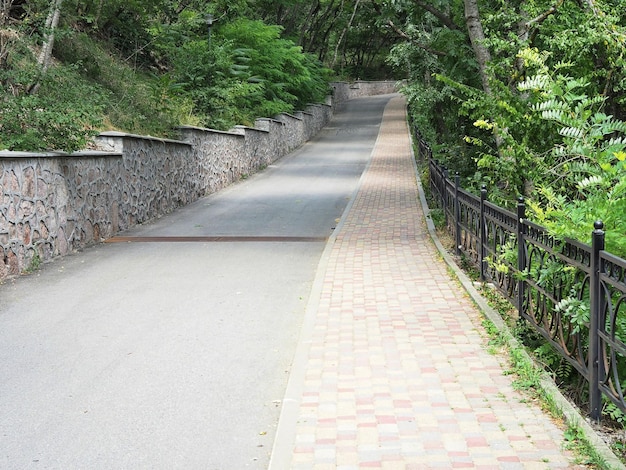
<point x="54" y="203"/>
<point x="343" y="91"/>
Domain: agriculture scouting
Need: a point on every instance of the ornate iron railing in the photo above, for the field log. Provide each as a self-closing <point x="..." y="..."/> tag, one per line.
<point x="572" y="294"/>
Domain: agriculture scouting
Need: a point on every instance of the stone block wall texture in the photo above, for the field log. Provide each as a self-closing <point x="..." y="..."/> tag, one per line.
<point x="53" y="203"/>
<point x="343" y="91"/>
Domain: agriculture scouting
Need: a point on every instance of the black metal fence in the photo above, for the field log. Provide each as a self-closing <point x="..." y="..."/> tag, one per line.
<point x="572" y="294"/>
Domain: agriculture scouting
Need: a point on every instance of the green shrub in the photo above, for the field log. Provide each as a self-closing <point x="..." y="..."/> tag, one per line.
<point x="248" y="72"/>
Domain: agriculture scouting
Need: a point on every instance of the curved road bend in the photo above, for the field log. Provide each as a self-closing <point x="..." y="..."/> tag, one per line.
<point x="173" y="350"/>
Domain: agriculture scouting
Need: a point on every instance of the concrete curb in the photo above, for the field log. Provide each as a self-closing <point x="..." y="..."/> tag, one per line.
<point x="569" y="413"/>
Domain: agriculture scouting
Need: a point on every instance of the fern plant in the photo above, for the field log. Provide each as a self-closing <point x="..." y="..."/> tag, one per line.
<point x="588" y="161"/>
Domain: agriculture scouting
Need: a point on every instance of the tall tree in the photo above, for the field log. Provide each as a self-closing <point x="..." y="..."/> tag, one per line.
<point x="7" y="36"/>
<point x="477" y="38"/>
<point x="343" y="33"/>
<point x="45" y="56"/>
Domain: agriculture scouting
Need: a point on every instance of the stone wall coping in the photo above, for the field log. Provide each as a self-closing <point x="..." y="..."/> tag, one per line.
<point x="318" y="105"/>
<point x="272" y="120"/>
<point x="295" y="117"/>
<point x="124" y="135"/>
<point x="206" y="129"/>
<point x="8" y="154"/>
<point x="248" y="128"/>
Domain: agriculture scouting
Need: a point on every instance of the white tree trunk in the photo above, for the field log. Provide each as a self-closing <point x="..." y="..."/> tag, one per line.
<point x="51" y="24"/>
<point x="45" y="56"/>
<point x="7" y="36"/>
<point x="343" y="33"/>
<point x="5" y="8"/>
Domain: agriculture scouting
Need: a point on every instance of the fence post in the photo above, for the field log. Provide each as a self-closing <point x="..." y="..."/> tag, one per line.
<point x="444" y="193"/>
<point x="420" y="145"/>
<point x="437" y="181"/>
<point x="432" y="176"/>
<point x="521" y="255"/>
<point x="595" y="323"/>
<point x="457" y="214"/>
<point x="482" y="232"/>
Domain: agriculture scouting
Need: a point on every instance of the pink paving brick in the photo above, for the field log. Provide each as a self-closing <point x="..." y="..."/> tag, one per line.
<point x="476" y="442"/>
<point x="487" y="418"/>
<point x="386" y="419"/>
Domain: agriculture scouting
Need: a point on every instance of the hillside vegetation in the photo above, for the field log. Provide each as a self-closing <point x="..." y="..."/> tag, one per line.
<point x="140" y="75"/>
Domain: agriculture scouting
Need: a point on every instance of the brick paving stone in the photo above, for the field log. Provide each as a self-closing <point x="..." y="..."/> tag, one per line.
<point x="398" y="375"/>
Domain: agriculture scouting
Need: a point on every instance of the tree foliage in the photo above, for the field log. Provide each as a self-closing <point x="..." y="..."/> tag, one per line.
<point x="539" y="113"/>
<point x="586" y="166"/>
<point x="143" y="67"/>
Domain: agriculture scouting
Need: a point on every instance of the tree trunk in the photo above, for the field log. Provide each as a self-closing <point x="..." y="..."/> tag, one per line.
<point x="45" y="56"/>
<point x="477" y="38"/>
<point x="344" y="32"/>
<point x="7" y="36"/>
<point x="5" y="10"/>
<point x="51" y="24"/>
<point x="483" y="56"/>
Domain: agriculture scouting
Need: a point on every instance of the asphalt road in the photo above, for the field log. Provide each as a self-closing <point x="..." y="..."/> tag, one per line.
<point x="173" y="350"/>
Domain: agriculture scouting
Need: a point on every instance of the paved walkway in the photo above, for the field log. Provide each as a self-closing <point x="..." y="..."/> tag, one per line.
<point x="392" y="370"/>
